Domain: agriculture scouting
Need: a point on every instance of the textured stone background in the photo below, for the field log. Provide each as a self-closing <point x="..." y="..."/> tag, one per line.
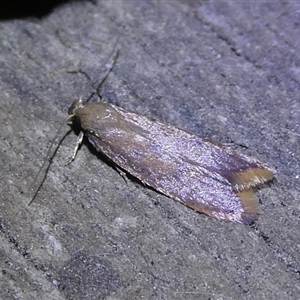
<point x="229" y="71"/>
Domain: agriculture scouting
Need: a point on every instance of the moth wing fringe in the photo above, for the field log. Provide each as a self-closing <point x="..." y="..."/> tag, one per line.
<point x="250" y="178"/>
<point x="250" y="206"/>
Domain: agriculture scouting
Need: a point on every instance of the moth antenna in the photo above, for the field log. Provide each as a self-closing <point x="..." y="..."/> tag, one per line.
<point x="109" y="67"/>
<point x="48" y="159"/>
<point x="113" y="55"/>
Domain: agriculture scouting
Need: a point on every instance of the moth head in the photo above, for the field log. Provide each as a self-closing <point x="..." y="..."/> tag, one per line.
<point x="74" y="106"/>
<point x="72" y="115"/>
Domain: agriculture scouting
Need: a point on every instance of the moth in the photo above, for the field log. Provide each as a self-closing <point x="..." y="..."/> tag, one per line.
<point x="208" y="177"/>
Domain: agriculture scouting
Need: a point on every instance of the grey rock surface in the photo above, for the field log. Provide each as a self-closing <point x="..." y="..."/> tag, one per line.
<point x="228" y="71"/>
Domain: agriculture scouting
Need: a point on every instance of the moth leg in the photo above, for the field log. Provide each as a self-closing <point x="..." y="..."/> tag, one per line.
<point x="122" y="173"/>
<point x="78" y="144"/>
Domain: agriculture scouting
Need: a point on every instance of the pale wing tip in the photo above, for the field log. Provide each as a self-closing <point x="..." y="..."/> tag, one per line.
<point x="250" y="206"/>
<point x="252" y="177"/>
<point x="247" y="213"/>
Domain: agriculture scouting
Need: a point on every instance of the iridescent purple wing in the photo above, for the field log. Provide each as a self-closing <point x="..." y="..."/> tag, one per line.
<point x="208" y="177"/>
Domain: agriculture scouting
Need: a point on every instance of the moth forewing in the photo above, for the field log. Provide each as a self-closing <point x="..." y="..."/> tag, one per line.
<point x="206" y="176"/>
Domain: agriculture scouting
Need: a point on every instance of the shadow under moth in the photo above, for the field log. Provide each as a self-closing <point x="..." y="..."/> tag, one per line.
<point x="206" y="176"/>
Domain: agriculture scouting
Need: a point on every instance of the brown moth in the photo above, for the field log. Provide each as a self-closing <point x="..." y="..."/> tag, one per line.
<point x="206" y="176"/>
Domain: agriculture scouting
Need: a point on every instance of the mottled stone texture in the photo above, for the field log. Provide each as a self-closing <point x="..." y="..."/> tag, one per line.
<point x="228" y="71"/>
